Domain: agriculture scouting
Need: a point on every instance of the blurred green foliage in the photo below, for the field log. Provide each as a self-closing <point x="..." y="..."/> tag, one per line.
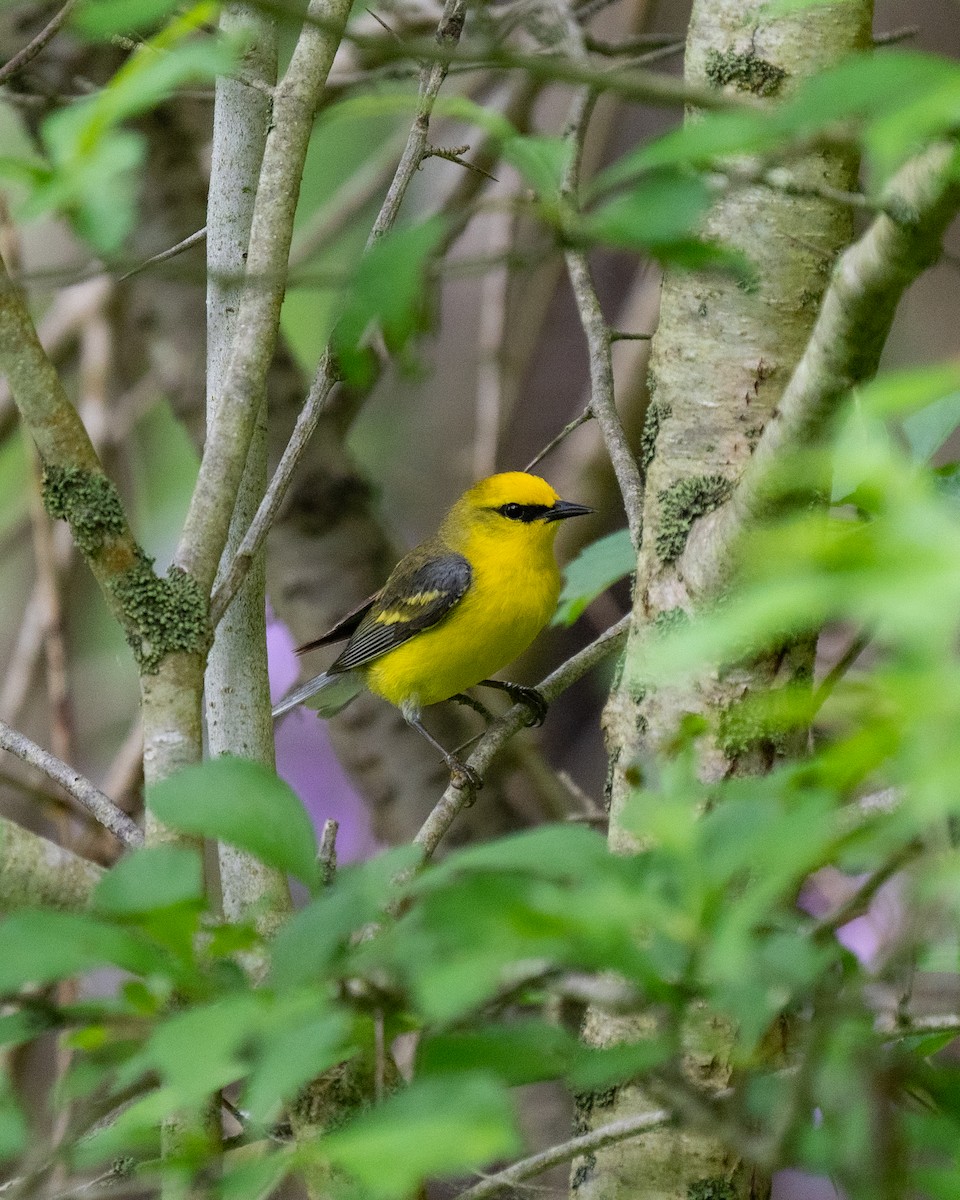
<point x="476" y="955"/>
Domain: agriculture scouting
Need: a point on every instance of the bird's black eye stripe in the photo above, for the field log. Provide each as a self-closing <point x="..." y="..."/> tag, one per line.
<point x="523" y="512"/>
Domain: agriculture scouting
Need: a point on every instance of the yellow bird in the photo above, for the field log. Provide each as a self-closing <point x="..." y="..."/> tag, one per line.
<point x="455" y="610"/>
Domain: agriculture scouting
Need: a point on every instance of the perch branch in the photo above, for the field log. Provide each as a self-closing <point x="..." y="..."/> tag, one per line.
<point x="455" y="799"/>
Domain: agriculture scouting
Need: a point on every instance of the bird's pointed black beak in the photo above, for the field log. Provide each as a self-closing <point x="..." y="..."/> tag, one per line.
<point x="566" y="508"/>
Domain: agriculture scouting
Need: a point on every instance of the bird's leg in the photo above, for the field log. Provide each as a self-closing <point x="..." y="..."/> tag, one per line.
<point x="461" y="775"/>
<point x="463" y="698"/>
<point x="521" y="695"/>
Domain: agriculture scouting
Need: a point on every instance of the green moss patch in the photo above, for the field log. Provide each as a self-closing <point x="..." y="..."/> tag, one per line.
<point x="162" y="615"/>
<point x="88" y="502"/>
<point x="746" y="70"/>
<point x="711" y="1189"/>
<point x="657" y="413"/>
<point x="681" y="504"/>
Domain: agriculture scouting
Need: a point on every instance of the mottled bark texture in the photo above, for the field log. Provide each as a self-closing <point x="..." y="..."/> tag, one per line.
<point x="721" y="358"/>
<point x="236" y="684"/>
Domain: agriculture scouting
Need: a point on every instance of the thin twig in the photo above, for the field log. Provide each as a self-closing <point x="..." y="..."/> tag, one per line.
<point x="597" y="332"/>
<point x="431" y="80"/>
<point x="587" y="1143"/>
<point x="75" y="784"/>
<point x="51" y="609"/>
<point x="641" y="44"/>
<point x="620" y="335"/>
<point x="24" y="658"/>
<point x="780" y="179"/>
<point x="582" y="419"/>
<point x="843" y="664"/>
<point x="36" y="44"/>
<point x="892" y="36"/>
<point x="276" y="492"/>
<point x="165" y="255"/>
<point x="125" y="772"/>
<point x="455" y="799"/>
<point x="858" y="903"/>
<point x="327" y="855"/>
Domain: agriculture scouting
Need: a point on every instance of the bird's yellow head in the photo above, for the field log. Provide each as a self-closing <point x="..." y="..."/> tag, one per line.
<point x="512" y="508"/>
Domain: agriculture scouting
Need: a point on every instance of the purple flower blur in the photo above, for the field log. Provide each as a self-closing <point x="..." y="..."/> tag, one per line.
<point x="306" y="760"/>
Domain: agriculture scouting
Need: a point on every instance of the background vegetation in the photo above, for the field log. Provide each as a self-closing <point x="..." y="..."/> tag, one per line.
<point x="442" y="239"/>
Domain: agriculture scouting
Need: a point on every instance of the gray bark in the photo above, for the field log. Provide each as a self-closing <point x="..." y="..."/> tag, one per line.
<point x="237" y="686"/>
<point x="721" y="359"/>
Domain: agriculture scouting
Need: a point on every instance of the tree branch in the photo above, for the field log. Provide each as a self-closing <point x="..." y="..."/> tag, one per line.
<point x="844" y="348"/>
<point x="431" y="80"/>
<point x="75" y="784"/>
<point x="587" y="1143"/>
<point x="237" y="686"/>
<point x="448" y="32"/>
<point x="296" y="99"/>
<point x="36" y="44"/>
<point x="35" y="872"/>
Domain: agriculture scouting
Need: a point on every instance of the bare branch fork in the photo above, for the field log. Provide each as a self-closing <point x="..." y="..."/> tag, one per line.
<point x="448" y="33"/>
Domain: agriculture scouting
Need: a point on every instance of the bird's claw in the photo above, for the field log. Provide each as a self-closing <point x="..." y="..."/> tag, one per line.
<point x="463" y="777"/>
<point x="470" y="702"/>
<point x="532" y="699"/>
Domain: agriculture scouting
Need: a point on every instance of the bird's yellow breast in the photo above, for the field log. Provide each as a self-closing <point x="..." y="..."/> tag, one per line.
<point x="513" y="592"/>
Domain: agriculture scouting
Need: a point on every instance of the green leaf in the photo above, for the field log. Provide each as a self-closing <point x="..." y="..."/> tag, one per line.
<point x="517" y="1052"/>
<point x="39" y="947"/>
<point x="541" y="160"/>
<point x="551" y="851"/>
<point x="388" y="290"/>
<point x="13" y="1124"/>
<point x="199" y="1050"/>
<point x="244" y="804"/>
<point x="292" y="1056"/>
<point x="662" y="207"/>
<point x="19" y="1027"/>
<point x="597" y="567"/>
<point x="898" y="393"/>
<point x="152" y="878"/>
<point x="92" y="159"/>
<point x="305" y="946"/>
<point x="99" y="20"/>
<point x="254" y="1179"/>
<point x="435" y="1127"/>
<point x="928" y="429"/>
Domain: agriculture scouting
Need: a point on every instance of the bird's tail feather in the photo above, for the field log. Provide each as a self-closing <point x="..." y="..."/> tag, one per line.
<point x="329" y="693"/>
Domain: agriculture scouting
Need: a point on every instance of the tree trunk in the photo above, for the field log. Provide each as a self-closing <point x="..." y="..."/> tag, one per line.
<point x="721" y="358"/>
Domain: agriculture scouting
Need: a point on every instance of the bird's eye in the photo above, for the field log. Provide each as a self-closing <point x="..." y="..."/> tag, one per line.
<point x="513" y="512"/>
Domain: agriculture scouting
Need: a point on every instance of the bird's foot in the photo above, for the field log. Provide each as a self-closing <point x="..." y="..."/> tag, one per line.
<point x="531" y="699"/>
<point x="462" y="776"/>
<point x="519" y="694"/>
<point x="463" y="698"/>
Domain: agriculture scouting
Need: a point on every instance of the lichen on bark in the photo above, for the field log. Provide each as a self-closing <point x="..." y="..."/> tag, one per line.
<point x="161" y="616"/>
<point x="88" y="502"/>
